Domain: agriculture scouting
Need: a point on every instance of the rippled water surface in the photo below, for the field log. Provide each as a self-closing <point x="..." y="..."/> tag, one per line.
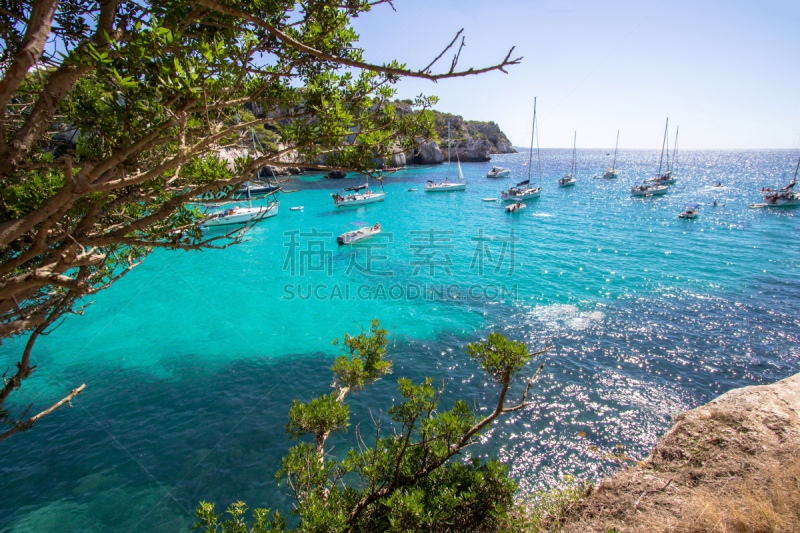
<point x="192" y="360"/>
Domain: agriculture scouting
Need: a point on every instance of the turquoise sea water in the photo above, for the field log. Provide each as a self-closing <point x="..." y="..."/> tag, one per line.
<point x="192" y="360"/>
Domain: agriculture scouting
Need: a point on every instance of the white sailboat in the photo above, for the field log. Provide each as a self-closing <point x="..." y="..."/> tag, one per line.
<point x="569" y="180"/>
<point x="783" y="197"/>
<point x="240" y="214"/>
<point x="357" y="198"/>
<point x="523" y="189"/>
<point x="650" y="187"/>
<point x="447" y="185"/>
<point x="666" y="178"/>
<point x="611" y="173"/>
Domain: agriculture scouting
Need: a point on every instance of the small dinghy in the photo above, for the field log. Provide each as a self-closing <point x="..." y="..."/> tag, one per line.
<point x="513" y="208"/>
<point x="413" y="190"/>
<point x="690" y="212"/>
<point x="363" y="233"/>
<point x="489" y="199"/>
<point x="298" y="208"/>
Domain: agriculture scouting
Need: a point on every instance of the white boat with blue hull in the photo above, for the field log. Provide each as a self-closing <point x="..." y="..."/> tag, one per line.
<point x="447" y="185"/>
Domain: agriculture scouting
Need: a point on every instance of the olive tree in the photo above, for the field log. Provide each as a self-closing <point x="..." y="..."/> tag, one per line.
<point x="113" y="114"/>
<point x="405" y="477"/>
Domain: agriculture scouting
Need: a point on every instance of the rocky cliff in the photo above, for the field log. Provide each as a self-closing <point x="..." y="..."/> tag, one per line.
<point x="730" y="465"/>
<point x="470" y="140"/>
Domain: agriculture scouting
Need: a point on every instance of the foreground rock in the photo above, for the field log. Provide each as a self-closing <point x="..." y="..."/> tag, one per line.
<point x="730" y="465"/>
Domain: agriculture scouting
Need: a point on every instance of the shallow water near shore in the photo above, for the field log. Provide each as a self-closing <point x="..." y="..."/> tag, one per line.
<point x="192" y="360"/>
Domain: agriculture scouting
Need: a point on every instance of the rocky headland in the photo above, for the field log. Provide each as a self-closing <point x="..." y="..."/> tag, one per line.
<point x="470" y="140"/>
<point x="732" y="465"/>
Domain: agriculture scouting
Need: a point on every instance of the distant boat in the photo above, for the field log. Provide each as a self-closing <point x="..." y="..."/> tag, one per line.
<point x="569" y="180"/>
<point x="336" y="174"/>
<point x="498" y="172"/>
<point x="523" y="189"/>
<point x="356" y="198"/>
<point x="666" y="178"/>
<point x="447" y="185"/>
<point x="611" y="173"/>
<point x="516" y="206"/>
<point x="650" y="187"/>
<point x="298" y="208"/>
<point x="691" y="211"/>
<point x="784" y="197"/>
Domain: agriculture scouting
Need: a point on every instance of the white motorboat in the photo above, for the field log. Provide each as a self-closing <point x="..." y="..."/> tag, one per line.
<point x="241" y="215"/>
<point x="523" y="189"/>
<point x="569" y="180"/>
<point x="655" y="186"/>
<point x="357" y="197"/>
<point x="447" y="185"/>
<point x="489" y="199"/>
<point x="691" y="211"/>
<point x="516" y="206"/>
<point x="363" y="233"/>
<point x="298" y="208"/>
<point x="498" y="172"/>
<point x="784" y="197"/>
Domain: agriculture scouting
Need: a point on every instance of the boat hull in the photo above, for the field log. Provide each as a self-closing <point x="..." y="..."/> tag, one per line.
<point x="446" y="188"/>
<point x="243" y="217"/>
<point x="654" y="191"/>
<point x="570" y="183"/>
<point x="353" y="237"/>
<point x="361" y="200"/>
<point x="524" y="196"/>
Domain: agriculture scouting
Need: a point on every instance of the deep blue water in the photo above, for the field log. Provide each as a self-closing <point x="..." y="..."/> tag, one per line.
<point x="192" y="360"/>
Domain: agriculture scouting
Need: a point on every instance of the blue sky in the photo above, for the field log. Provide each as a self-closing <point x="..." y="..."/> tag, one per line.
<point x="727" y="73"/>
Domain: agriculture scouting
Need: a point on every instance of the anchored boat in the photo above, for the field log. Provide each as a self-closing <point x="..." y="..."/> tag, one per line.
<point x="447" y="185"/>
<point x="523" y="189"/>
<point x="498" y="172"/>
<point x="784" y="197"/>
<point x="569" y="180"/>
<point x="363" y="233"/>
<point x="654" y="187"/>
<point x="357" y="197"/>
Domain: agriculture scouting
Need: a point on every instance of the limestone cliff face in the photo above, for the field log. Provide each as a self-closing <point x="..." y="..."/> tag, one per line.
<point x="470" y="141"/>
<point x="717" y="460"/>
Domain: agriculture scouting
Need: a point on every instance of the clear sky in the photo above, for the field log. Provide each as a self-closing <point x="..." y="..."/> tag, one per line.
<point x="727" y="73"/>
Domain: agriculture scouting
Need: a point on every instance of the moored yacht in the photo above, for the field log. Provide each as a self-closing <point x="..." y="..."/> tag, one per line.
<point x="357" y="197"/>
<point x="523" y="189"/>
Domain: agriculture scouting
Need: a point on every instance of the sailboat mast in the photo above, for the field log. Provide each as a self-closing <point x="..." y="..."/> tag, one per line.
<point x="614" y="164"/>
<point x="538" y="156"/>
<point x="448" y="149"/>
<point x="795" y="171"/>
<point x="663" y="143"/>
<point x="533" y="129"/>
<point x="675" y="147"/>
<point x="574" y="145"/>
